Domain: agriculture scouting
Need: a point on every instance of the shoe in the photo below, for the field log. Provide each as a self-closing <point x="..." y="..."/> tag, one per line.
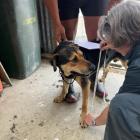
<point x="71" y="96"/>
<point x="100" y="91"/>
<point x="1" y="87"/>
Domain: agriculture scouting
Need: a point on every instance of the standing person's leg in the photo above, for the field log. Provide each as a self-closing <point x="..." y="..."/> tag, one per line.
<point x="124" y="118"/>
<point x="112" y="3"/>
<point x="91" y="25"/>
<point x="70" y="28"/>
<point x="68" y="12"/>
<point x="92" y="11"/>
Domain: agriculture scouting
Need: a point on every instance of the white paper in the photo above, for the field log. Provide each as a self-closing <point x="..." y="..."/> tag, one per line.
<point x="88" y="45"/>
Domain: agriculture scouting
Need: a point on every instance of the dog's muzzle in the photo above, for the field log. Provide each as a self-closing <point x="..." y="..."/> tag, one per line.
<point x="91" y="71"/>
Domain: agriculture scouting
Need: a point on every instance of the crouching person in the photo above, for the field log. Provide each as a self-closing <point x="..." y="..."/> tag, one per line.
<point x="120" y="31"/>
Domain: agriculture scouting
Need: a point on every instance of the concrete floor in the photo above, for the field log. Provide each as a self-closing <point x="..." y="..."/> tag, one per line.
<point x="27" y="111"/>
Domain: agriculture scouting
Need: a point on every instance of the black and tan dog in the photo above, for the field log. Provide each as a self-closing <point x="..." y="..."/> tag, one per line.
<point x="73" y="66"/>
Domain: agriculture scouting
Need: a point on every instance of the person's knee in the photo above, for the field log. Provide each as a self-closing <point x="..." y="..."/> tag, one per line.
<point x="120" y="101"/>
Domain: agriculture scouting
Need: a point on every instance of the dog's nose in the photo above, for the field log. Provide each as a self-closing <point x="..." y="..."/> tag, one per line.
<point x="92" y="67"/>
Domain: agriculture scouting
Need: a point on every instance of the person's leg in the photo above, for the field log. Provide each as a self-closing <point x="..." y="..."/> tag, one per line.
<point x="124" y="118"/>
<point x="92" y="10"/>
<point x="68" y="12"/>
<point x="91" y="25"/>
<point x="70" y="26"/>
<point x="112" y="3"/>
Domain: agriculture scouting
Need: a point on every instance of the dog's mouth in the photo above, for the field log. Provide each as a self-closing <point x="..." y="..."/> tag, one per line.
<point x="82" y="74"/>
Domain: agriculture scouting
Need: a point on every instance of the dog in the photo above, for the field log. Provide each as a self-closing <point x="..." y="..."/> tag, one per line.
<point x="73" y="66"/>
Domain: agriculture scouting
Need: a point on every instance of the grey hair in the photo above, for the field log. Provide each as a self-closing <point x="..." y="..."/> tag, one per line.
<point x="122" y="24"/>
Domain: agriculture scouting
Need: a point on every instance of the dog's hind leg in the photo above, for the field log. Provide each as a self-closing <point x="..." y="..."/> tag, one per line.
<point x="61" y="97"/>
<point x="85" y="85"/>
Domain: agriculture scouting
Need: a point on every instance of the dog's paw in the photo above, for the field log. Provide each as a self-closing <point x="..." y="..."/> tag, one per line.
<point x="58" y="99"/>
<point x="82" y="122"/>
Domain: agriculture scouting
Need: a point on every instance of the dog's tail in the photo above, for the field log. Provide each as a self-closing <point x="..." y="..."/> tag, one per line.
<point x="50" y="57"/>
<point x="47" y="56"/>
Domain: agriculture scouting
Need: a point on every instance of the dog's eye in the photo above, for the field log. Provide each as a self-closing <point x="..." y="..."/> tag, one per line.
<point x="74" y="60"/>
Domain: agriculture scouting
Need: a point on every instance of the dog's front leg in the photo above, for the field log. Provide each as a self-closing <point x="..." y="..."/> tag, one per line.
<point x="61" y="97"/>
<point x="85" y="85"/>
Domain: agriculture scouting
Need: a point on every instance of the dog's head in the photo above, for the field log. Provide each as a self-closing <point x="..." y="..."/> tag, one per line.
<point x="68" y="57"/>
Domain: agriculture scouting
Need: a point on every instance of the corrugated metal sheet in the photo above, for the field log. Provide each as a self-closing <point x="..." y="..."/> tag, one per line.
<point x="46" y="29"/>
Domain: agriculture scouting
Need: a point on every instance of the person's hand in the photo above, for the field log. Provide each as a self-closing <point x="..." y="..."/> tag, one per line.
<point x="104" y="45"/>
<point x="60" y="33"/>
<point x="89" y="119"/>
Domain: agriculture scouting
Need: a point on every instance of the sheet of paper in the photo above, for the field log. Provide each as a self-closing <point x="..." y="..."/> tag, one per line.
<point x="87" y="44"/>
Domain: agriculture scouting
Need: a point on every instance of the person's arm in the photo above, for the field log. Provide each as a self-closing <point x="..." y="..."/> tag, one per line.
<point x="52" y="6"/>
<point x="100" y="120"/>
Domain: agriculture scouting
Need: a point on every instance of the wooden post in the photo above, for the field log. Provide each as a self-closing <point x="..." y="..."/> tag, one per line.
<point x="4" y="76"/>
